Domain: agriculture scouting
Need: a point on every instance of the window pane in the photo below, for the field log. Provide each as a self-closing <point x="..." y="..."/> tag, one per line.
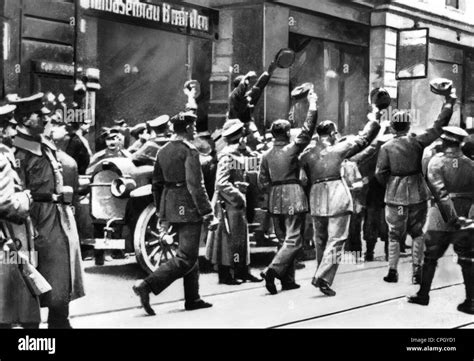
<point x="453" y="3"/>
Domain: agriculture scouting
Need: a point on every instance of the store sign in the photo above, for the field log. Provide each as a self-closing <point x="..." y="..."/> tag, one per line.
<point x="174" y="15"/>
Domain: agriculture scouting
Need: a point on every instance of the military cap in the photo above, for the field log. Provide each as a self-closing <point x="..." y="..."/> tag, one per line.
<point x="7" y="110"/>
<point x="183" y="118"/>
<point x="158" y="122"/>
<point x="31" y="104"/>
<point x="204" y="134"/>
<point x="454" y="134"/>
<point x="232" y="128"/>
<point x="137" y="129"/>
<point x="112" y="133"/>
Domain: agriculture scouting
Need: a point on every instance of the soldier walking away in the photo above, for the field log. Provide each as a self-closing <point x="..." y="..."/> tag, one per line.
<point x="451" y="179"/>
<point x="287" y="203"/>
<point x="330" y="200"/>
<point x="228" y="247"/>
<point x="181" y="200"/>
<point x="58" y="251"/>
<point x="17" y="304"/>
<point x="399" y="167"/>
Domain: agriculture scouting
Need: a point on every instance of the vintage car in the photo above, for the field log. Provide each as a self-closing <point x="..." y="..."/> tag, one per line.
<point x="123" y="213"/>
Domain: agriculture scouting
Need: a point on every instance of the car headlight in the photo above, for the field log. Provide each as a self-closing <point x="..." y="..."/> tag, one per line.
<point x="121" y="187"/>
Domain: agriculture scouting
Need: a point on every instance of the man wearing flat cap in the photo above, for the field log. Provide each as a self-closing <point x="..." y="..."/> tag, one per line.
<point x="159" y="136"/>
<point x="182" y="202"/>
<point x="451" y="179"/>
<point x="279" y="176"/>
<point x="228" y="246"/>
<point x="399" y="167"/>
<point x="17" y="304"/>
<point x="42" y="174"/>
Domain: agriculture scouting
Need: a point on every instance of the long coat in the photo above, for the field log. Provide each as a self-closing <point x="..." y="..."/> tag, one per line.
<point x="17" y="303"/>
<point x="58" y="250"/>
<point x="223" y="247"/>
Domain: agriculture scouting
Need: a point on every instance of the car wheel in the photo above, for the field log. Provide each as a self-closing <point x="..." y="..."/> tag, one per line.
<point x="153" y="246"/>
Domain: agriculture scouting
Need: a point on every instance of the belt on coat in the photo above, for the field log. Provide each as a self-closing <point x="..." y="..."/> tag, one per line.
<point x="328" y="179"/>
<point x="283" y="182"/>
<point x="415" y="172"/>
<point x="175" y="184"/>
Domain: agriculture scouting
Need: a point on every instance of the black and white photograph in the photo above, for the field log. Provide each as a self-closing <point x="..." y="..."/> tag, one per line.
<point x="237" y="164"/>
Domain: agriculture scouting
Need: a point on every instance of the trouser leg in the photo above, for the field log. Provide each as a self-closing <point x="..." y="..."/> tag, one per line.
<point x="416" y="220"/>
<point x="283" y="262"/>
<point x="436" y="245"/>
<point x="354" y="243"/>
<point x="371" y="219"/>
<point x="183" y="263"/>
<point x="396" y="217"/>
<point x="320" y="236"/>
<point x="191" y="284"/>
<point x="464" y="248"/>
<point x="58" y="316"/>
<point x="338" y="230"/>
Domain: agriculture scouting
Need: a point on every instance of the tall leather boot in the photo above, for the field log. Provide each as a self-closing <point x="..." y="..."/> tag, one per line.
<point x="427" y="275"/>
<point x="468" y="274"/>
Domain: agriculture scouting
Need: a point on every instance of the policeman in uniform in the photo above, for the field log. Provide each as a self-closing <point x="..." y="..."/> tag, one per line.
<point x="330" y="199"/>
<point x="17" y="304"/>
<point x="228" y="247"/>
<point x="58" y="249"/>
<point x="451" y="176"/>
<point x="399" y="167"/>
<point x="181" y="201"/>
<point x="159" y="136"/>
<point x="279" y="174"/>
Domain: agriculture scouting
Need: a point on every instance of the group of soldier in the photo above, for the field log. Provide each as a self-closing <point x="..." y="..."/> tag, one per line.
<point x="394" y="182"/>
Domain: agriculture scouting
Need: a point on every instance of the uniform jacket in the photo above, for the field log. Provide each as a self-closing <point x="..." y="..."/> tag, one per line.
<point x="399" y="164"/>
<point x="178" y="185"/>
<point x="322" y="162"/>
<point x="78" y="148"/>
<point x="59" y="259"/>
<point x="280" y="165"/>
<point x="451" y="174"/>
<point x="222" y="246"/>
<point x="17" y="304"/>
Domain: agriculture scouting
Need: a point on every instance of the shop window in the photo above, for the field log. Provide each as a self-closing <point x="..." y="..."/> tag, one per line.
<point x="453" y="3"/>
<point x="340" y="75"/>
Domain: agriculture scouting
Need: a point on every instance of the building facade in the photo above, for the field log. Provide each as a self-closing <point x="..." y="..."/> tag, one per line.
<point x="146" y="50"/>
